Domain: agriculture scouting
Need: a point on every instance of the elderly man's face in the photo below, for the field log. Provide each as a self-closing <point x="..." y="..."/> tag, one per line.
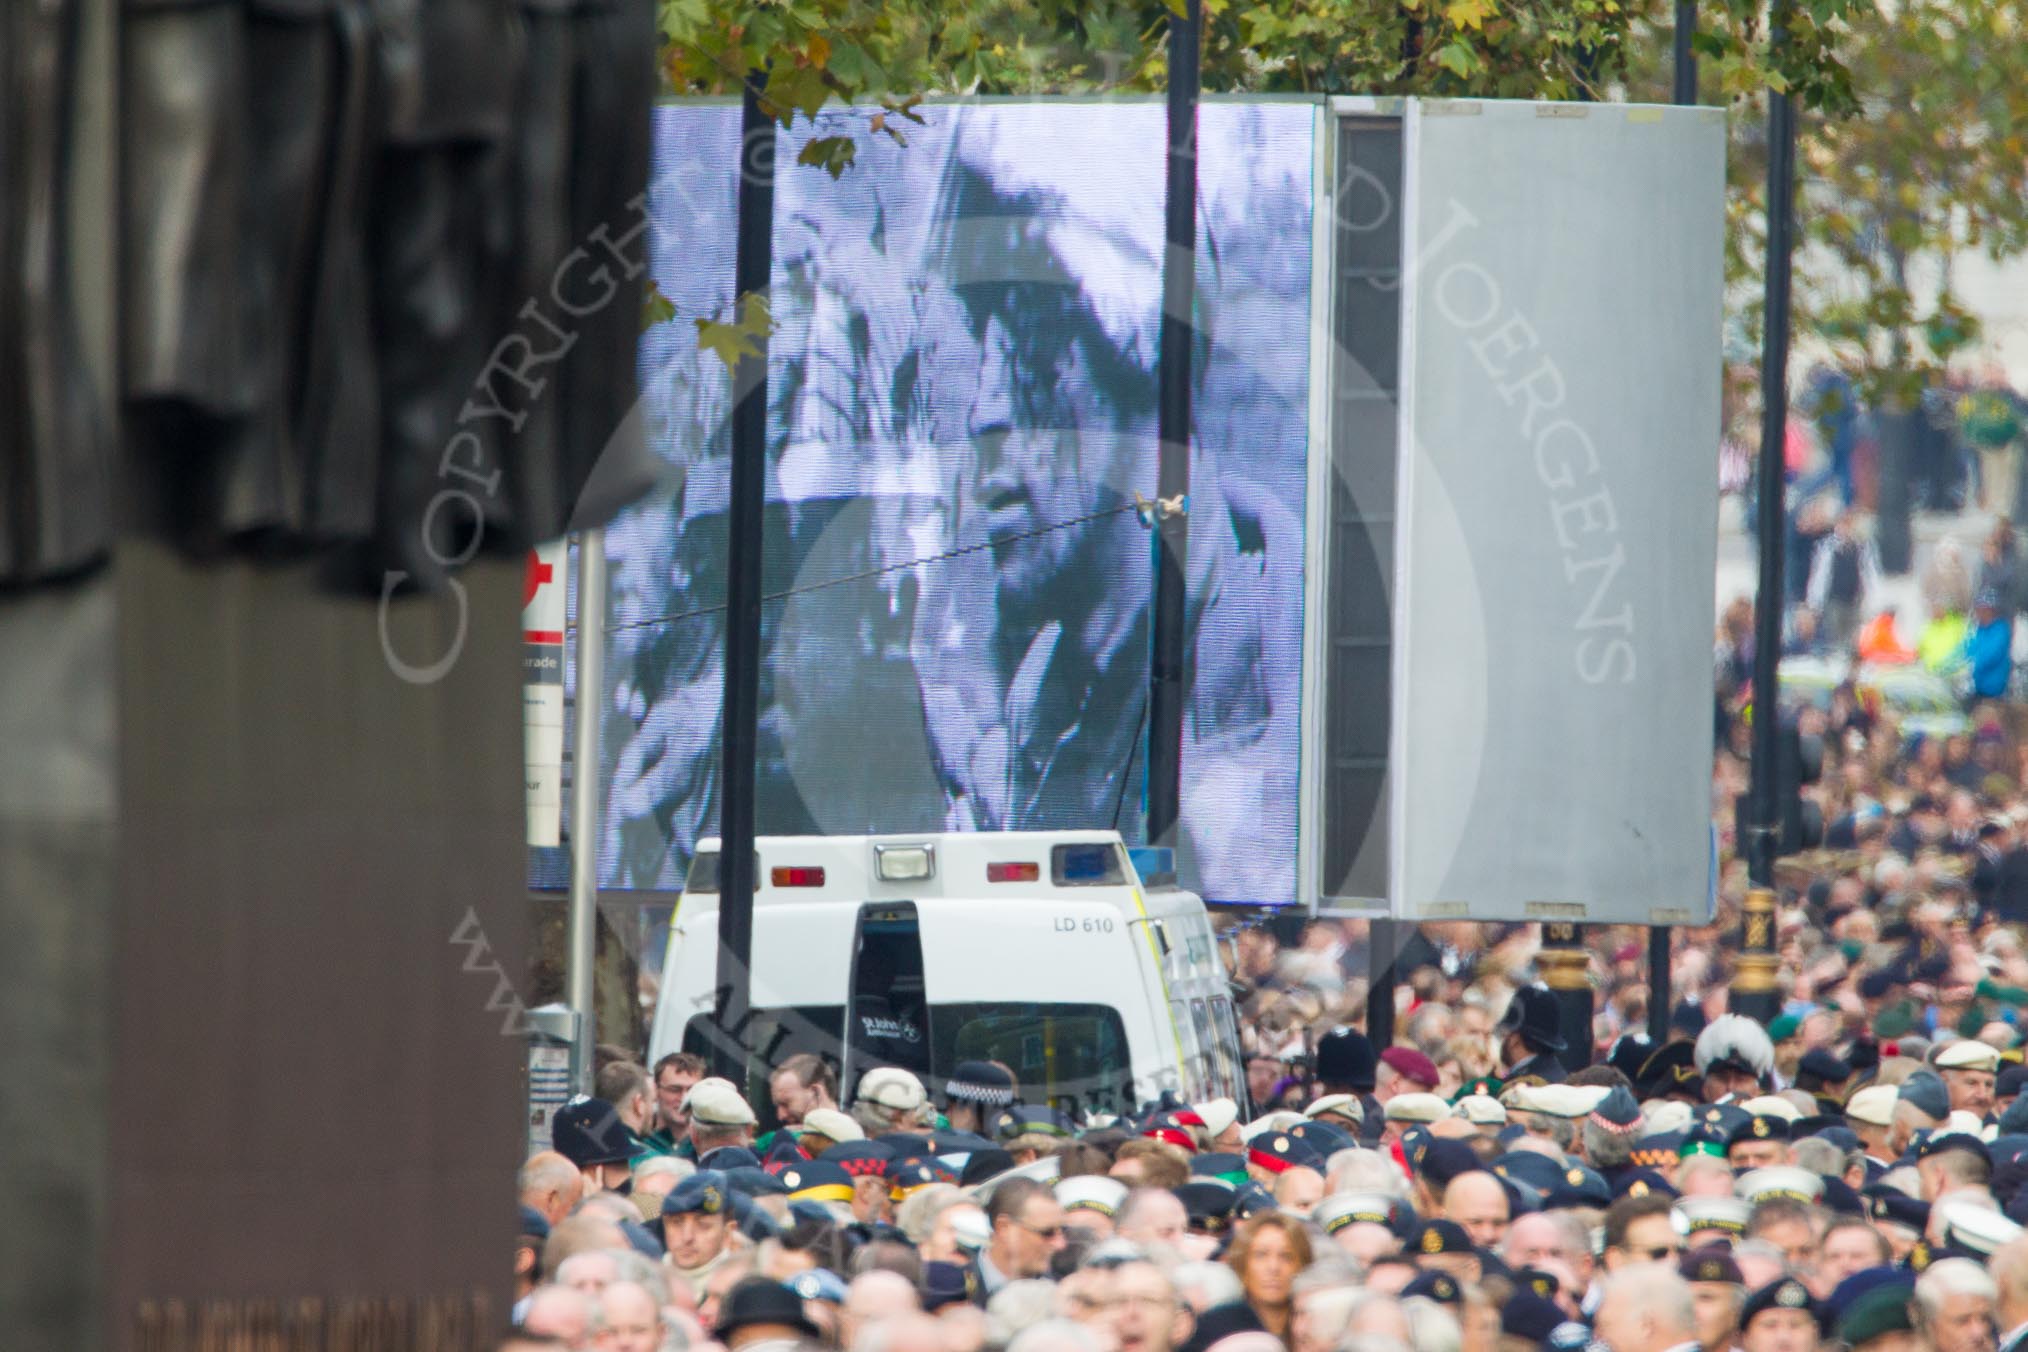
<point x="1621" y="1326"/>
<point x="1045" y="447"/>
<point x="628" y="1320"/>
<point x="1533" y="1241"/>
<point x="1964" y="1324"/>
<point x="1971" y="1090"/>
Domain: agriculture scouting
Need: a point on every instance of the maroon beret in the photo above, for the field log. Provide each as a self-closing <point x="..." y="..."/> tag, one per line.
<point x="1409" y="1062"/>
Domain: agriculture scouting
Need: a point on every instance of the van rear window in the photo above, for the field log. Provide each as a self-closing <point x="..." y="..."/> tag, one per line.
<point x="1073" y="1056"/>
<point x="1087" y="866"/>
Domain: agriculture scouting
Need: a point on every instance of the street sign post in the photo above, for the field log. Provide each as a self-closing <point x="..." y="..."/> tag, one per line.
<point x="542" y="624"/>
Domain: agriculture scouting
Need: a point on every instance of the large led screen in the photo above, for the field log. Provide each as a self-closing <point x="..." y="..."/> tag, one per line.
<point x="962" y="410"/>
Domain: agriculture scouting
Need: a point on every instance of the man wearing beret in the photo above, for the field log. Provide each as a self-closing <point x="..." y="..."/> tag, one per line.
<point x="1717" y="1292"/>
<point x="1404" y="1070"/>
<point x="1970" y="1070"/>
<point x="1443" y="1246"/>
<point x="697" y="1229"/>
<point x="1781" y="1317"/>
<point x="719" y="1116"/>
<point x="1758" y="1143"/>
<point x="1869" y="1114"/>
<point x="1879" y="1321"/>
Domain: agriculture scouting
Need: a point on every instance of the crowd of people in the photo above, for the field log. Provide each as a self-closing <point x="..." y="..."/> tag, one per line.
<point x="1852" y="1173"/>
<point x="1771" y="1189"/>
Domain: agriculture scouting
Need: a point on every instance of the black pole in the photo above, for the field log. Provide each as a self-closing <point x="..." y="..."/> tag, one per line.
<point x="1169" y="646"/>
<point x="1380" y="954"/>
<point x="1686" y="55"/>
<point x="1660" y="996"/>
<point x="1565" y="964"/>
<point x="1774" y="395"/>
<point x="754" y="263"/>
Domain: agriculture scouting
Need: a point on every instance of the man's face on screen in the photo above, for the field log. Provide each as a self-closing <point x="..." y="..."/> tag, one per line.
<point x="1046" y="444"/>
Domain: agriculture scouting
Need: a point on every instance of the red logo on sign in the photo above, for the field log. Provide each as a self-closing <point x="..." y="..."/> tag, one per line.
<point x="537" y="574"/>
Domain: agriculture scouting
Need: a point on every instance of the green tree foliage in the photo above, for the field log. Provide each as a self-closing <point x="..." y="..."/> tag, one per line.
<point x="1934" y="165"/>
<point x="882" y="58"/>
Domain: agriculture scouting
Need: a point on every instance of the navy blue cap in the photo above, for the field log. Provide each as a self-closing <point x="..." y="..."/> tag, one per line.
<point x="1820" y="1067"/>
<point x="1944" y="1142"/>
<point x="1537" y="1170"/>
<point x="1884" y="1203"/>
<point x="729" y="1157"/>
<point x="588" y="1131"/>
<point x="533" y="1224"/>
<point x="1864" y="1282"/>
<point x="1757" y="1129"/>
<point x="1439" y="1236"/>
<point x="1251" y="1200"/>
<point x="1440" y="1287"/>
<point x="1578" y="1187"/>
<point x="1209" y="1205"/>
<point x="946" y="1284"/>
<point x="703" y="1193"/>
<point x="1925" y="1089"/>
<point x="1527" y="1315"/>
<point x="1642" y="1183"/>
<point x="1784" y="1293"/>
<point x="1326" y="1138"/>
<point x="1445" y="1160"/>
<point x="1723" y="1118"/>
<point x="1840" y="1198"/>
<point x="642" y="1240"/>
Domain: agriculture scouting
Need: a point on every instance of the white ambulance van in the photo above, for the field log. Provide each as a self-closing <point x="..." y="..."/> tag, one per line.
<point x="1049" y="952"/>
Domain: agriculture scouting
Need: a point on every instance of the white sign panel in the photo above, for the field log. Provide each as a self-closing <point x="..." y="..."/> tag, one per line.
<point x="542" y="625"/>
<point x="1551" y="732"/>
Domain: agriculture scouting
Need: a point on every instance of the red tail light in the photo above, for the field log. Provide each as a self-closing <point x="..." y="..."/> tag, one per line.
<point x="1013" y="873"/>
<point x="800" y="876"/>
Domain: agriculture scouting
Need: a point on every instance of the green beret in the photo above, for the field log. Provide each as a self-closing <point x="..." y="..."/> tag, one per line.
<point x="1877" y="1312"/>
